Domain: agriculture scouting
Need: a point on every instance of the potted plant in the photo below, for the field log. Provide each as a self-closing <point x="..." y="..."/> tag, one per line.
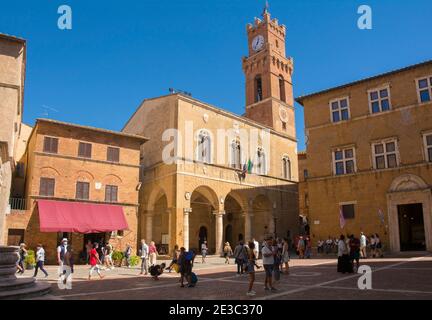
<point x="30" y="260"/>
<point x="117" y="258"/>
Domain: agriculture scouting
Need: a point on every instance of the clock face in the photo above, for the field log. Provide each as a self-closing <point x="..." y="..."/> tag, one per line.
<point x="258" y="43"/>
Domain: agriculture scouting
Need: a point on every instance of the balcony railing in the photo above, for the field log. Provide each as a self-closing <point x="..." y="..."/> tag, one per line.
<point x="18" y="204"/>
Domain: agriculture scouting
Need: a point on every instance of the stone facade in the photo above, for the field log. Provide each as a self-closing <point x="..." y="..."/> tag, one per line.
<point x="376" y="158"/>
<point x="193" y="199"/>
<point x="12" y="74"/>
<point x="67" y="168"/>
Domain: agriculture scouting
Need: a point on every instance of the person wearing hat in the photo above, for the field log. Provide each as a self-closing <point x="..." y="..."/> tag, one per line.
<point x="61" y="252"/>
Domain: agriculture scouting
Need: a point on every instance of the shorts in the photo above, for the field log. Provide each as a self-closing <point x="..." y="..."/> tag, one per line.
<point x="268" y="269"/>
<point x="250" y="268"/>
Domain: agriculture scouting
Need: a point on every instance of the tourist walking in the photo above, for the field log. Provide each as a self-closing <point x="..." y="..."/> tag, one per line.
<point x="40" y="260"/>
<point x="227" y="252"/>
<point x="61" y="251"/>
<point x="144" y="253"/>
<point x="250" y="268"/>
<point x="152" y="253"/>
<point x="373" y="245"/>
<point x="363" y="244"/>
<point x="343" y="265"/>
<point x="378" y="246"/>
<point x="240" y="255"/>
<point x="277" y="260"/>
<point x="268" y="263"/>
<point x="256" y="249"/>
<point x="108" y="256"/>
<point x="328" y="245"/>
<point x="22" y="255"/>
<point x="69" y="259"/>
<point x="354" y="249"/>
<point x="285" y="256"/>
<point x="88" y="248"/>
<point x="185" y="262"/>
<point x="301" y="245"/>
<point x="94" y="261"/>
<point x="174" y="257"/>
<point x="308" y="247"/>
<point x="127" y="254"/>
<point x="203" y="251"/>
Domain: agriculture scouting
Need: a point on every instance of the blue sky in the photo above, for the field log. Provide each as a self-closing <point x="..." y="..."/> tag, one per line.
<point x="120" y="52"/>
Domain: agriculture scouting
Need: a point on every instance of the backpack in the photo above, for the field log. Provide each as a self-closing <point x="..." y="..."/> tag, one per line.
<point x="189" y="256"/>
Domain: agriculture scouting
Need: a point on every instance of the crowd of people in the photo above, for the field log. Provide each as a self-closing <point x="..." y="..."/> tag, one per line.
<point x="274" y="252"/>
<point x="369" y="246"/>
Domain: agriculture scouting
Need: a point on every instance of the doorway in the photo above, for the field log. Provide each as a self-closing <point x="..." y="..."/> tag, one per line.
<point x="411" y="227"/>
<point x="202" y="237"/>
<point x="229" y="234"/>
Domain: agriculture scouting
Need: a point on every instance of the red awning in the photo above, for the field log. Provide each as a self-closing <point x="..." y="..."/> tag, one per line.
<point x="65" y="216"/>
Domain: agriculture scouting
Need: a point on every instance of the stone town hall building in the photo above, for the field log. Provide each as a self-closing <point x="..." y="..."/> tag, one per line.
<point x="231" y="177"/>
<point x="202" y="194"/>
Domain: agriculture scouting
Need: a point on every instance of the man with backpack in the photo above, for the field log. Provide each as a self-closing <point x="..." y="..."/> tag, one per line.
<point x="185" y="262"/>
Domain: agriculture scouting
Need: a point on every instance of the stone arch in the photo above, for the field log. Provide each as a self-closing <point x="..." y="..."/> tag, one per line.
<point x="84" y="176"/>
<point x="49" y="172"/>
<point x="204" y="203"/>
<point x="154" y="196"/>
<point x="262" y="220"/>
<point x="234" y="216"/>
<point x="112" y="179"/>
<point x="407" y="182"/>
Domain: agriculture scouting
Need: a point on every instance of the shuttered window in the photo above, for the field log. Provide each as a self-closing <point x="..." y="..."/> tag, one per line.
<point x="46" y="187"/>
<point x="111" y="193"/>
<point x="50" y="145"/>
<point x="113" y="154"/>
<point x="82" y="190"/>
<point x="84" y="150"/>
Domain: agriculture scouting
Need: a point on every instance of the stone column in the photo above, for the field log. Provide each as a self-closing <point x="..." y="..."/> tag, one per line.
<point x="149" y="227"/>
<point x="248" y="225"/>
<point x="271" y="228"/>
<point x="219" y="231"/>
<point x="186" y="212"/>
<point x="169" y="214"/>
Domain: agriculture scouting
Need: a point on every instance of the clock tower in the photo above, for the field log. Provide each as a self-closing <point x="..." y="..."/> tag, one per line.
<point x="269" y="94"/>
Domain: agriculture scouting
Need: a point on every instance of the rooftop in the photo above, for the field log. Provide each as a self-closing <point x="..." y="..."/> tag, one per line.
<point x="301" y="99"/>
<point x="117" y="133"/>
<point x="12" y="38"/>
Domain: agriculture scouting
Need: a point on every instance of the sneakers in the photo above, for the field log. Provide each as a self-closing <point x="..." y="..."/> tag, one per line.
<point x="250" y="293"/>
<point x="273" y="289"/>
<point x="266" y="288"/>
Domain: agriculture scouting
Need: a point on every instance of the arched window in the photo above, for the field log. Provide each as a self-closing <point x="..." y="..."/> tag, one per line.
<point x="204" y="147"/>
<point x="258" y="89"/>
<point x="236" y="154"/>
<point x="286" y="167"/>
<point x="282" y="88"/>
<point x="261" y="167"/>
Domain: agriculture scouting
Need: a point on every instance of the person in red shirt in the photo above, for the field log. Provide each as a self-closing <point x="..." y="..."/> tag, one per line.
<point x="94" y="261"/>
